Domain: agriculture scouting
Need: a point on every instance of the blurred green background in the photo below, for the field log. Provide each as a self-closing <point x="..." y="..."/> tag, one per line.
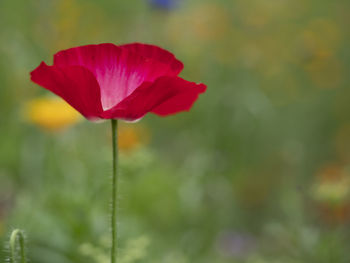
<point x="258" y="171"/>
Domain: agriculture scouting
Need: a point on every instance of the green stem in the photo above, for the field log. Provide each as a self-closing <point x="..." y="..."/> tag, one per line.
<point x="13" y="240"/>
<point x="114" y="192"/>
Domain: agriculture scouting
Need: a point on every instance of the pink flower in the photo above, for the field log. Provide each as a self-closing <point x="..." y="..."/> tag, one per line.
<point x="118" y="82"/>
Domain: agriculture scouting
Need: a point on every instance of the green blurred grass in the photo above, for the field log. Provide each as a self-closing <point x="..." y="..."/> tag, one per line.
<point x="232" y="180"/>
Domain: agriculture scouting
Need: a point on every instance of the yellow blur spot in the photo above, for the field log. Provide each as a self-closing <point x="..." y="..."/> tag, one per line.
<point x="332" y="185"/>
<point x="51" y="113"/>
<point x="331" y="192"/>
<point x="132" y="136"/>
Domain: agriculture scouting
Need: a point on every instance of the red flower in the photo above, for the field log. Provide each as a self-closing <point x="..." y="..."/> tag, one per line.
<point x="118" y="82"/>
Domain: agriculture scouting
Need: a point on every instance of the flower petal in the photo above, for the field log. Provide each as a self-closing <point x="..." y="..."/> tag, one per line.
<point x="75" y="84"/>
<point x="182" y="101"/>
<point x="167" y="95"/>
<point x="157" y="53"/>
<point x="119" y="70"/>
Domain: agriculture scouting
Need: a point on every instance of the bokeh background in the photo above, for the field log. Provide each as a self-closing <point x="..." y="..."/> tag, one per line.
<point x="258" y="171"/>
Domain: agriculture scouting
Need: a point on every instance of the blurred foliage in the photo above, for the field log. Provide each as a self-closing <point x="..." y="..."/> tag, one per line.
<point x="257" y="172"/>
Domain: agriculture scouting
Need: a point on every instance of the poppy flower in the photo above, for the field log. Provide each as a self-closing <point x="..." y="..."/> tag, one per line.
<point x="125" y="82"/>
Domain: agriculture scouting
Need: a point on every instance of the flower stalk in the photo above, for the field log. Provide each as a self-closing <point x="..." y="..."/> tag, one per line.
<point x="114" y="225"/>
<point x="17" y="234"/>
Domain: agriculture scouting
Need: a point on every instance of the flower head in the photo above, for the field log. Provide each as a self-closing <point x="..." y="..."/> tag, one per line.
<point x="51" y="113"/>
<point x="164" y="4"/>
<point x="126" y="82"/>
